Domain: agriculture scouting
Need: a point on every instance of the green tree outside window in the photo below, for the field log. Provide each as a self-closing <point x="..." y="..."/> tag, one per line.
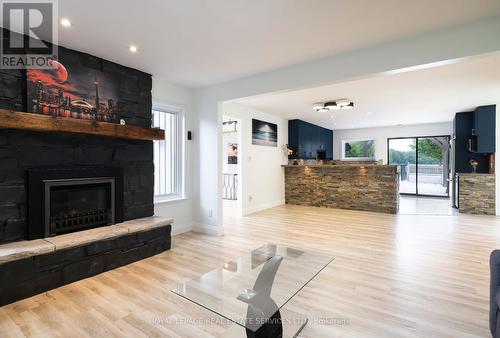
<point x="359" y="149"/>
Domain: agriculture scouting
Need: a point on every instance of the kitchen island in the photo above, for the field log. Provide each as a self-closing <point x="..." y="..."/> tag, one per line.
<point x="345" y="186"/>
<point x="477" y="194"/>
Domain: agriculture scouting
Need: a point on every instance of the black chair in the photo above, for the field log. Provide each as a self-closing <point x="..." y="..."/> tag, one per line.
<point x="495" y="294"/>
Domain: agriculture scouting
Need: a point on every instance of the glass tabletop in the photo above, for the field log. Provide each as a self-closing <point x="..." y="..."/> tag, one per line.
<point x="251" y="290"/>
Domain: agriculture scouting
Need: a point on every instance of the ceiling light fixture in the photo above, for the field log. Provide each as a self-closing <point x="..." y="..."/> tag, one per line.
<point x="348" y="106"/>
<point x="343" y="102"/>
<point x="132" y="48"/>
<point x="65" y="22"/>
<point x="331" y="105"/>
<point x="318" y="106"/>
<point x="323" y="107"/>
<point x="229" y="127"/>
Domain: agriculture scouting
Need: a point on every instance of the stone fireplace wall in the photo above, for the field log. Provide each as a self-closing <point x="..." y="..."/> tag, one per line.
<point x="20" y="150"/>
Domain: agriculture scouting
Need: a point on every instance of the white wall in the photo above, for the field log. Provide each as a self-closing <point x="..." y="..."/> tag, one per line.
<point x="429" y="49"/>
<point x="381" y="134"/>
<point x="181" y="210"/>
<point x="262" y="177"/>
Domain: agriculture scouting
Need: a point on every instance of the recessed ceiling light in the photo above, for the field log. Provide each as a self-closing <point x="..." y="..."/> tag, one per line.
<point x="132" y="48"/>
<point x="65" y="22"/>
<point x="368" y="113"/>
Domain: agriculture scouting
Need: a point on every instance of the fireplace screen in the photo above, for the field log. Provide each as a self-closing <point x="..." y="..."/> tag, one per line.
<point x="77" y="204"/>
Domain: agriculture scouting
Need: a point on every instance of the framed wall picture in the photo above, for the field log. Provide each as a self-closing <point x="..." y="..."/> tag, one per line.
<point x="264" y="133"/>
<point x="72" y="90"/>
<point x="232" y="153"/>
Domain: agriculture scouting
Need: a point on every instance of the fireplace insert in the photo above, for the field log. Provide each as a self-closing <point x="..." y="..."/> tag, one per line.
<point x="67" y="200"/>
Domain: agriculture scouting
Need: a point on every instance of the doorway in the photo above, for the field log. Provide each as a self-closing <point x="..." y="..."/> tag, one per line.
<point x="231" y="167"/>
<point x="423" y="164"/>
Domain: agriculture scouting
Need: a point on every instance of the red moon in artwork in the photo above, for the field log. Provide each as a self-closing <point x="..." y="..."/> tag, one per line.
<point x="61" y="74"/>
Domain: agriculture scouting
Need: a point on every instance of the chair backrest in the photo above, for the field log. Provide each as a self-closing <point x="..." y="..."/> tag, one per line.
<point x="494" y="290"/>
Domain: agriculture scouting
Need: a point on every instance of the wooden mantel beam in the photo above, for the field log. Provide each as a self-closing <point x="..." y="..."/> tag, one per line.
<point x="43" y="123"/>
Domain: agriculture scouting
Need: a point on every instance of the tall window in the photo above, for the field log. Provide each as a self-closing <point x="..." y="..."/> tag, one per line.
<point x="168" y="157"/>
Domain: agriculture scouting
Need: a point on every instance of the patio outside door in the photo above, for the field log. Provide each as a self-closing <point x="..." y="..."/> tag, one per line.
<point x="423" y="164"/>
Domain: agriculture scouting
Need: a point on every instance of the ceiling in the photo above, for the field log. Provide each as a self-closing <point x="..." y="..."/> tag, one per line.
<point x="202" y="42"/>
<point x="420" y="96"/>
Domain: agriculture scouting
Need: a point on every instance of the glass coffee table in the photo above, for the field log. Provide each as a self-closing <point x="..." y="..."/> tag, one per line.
<point x="251" y="290"/>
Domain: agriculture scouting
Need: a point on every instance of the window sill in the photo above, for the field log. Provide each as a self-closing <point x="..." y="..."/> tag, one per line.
<point x="164" y="200"/>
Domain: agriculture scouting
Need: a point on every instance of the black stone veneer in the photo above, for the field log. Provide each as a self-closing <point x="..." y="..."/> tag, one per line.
<point x="21" y="150"/>
<point x="30" y="276"/>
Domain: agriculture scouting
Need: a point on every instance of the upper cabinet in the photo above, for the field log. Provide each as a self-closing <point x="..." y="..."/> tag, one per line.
<point x="307" y="139"/>
<point x="483" y="130"/>
<point x="474" y="134"/>
<point x="463" y="123"/>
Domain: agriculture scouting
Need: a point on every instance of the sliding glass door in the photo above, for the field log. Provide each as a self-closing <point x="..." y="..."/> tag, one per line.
<point x="433" y="166"/>
<point x="423" y="164"/>
<point x="402" y="152"/>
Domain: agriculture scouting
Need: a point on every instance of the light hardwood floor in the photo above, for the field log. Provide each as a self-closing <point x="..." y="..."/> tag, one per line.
<point x="393" y="276"/>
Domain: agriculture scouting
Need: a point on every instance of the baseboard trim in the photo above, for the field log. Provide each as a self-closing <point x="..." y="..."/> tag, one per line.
<point x="178" y="229"/>
<point x="261" y="207"/>
<point x="208" y="229"/>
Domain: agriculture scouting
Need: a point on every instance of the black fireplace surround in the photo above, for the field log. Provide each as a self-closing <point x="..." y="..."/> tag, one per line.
<point x="21" y="151"/>
<point x="55" y="183"/>
<point x="63" y="200"/>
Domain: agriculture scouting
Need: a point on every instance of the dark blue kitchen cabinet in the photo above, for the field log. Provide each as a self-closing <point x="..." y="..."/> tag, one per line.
<point x="328" y="141"/>
<point x="483" y="130"/>
<point x="463" y="125"/>
<point x="306" y="139"/>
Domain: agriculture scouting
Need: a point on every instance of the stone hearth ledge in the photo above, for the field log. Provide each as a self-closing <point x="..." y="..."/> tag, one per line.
<point x="24" y="249"/>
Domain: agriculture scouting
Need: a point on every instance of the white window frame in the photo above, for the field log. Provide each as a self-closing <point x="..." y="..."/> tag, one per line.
<point x="178" y="157"/>
<point x="342" y="149"/>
